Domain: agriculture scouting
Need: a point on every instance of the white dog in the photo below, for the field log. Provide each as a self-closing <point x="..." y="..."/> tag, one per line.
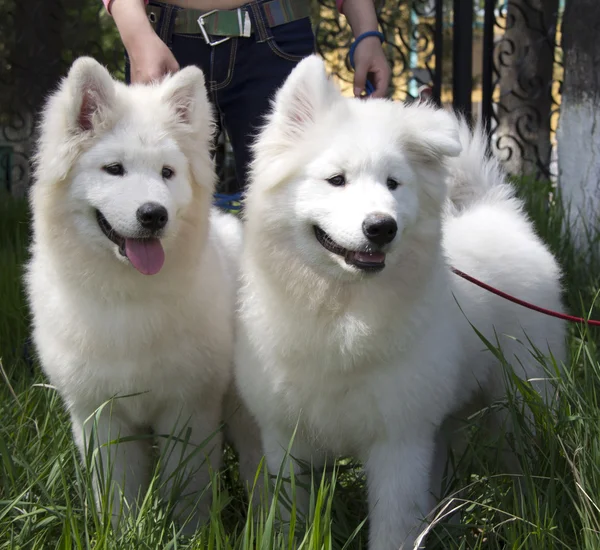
<point x="351" y="325"/>
<point x="132" y="279"/>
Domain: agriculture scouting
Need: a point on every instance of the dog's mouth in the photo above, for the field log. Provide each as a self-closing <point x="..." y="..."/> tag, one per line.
<point x="365" y="260"/>
<point x="145" y="254"/>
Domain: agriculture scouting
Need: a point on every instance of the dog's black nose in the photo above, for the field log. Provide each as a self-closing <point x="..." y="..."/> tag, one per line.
<point x="380" y="228"/>
<point x="152" y="216"/>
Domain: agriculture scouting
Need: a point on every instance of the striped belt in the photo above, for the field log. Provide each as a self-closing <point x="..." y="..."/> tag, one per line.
<point x="230" y="23"/>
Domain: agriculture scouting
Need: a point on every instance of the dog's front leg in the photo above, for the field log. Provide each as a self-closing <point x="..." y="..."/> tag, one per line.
<point x="398" y="475"/>
<point x="302" y="459"/>
<point x="190" y="444"/>
<point x="120" y="469"/>
<point x="243" y="433"/>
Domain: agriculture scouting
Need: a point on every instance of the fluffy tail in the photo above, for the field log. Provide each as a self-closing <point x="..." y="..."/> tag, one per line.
<point x="229" y="236"/>
<point x="475" y="175"/>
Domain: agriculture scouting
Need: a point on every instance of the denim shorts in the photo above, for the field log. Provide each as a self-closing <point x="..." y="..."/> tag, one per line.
<point x="242" y="74"/>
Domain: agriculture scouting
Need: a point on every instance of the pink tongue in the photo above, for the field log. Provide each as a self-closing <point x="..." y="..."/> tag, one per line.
<point x="369" y="257"/>
<point x="146" y="255"/>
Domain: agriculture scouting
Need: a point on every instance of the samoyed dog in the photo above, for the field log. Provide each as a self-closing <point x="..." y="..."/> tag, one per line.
<point x="132" y="280"/>
<point x="354" y="335"/>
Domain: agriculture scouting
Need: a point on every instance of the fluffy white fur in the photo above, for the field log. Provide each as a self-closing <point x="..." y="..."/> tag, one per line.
<point x="103" y="329"/>
<point x="370" y="364"/>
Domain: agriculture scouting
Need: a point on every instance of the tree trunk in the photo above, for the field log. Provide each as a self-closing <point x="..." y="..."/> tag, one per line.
<point x="525" y="59"/>
<point x="579" y="125"/>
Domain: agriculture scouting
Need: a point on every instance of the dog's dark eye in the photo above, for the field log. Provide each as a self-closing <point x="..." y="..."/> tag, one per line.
<point x="115" y="169"/>
<point x="167" y="172"/>
<point x="392" y="184"/>
<point x="337" y="181"/>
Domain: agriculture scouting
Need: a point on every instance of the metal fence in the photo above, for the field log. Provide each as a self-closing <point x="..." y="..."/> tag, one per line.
<point x="498" y="60"/>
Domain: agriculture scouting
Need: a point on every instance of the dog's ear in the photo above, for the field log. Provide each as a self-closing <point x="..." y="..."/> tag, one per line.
<point x="92" y="94"/>
<point x="306" y="95"/>
<point x="307" y="92"/>
<point x="433" y="133"/>
<point x="185" y="91"/>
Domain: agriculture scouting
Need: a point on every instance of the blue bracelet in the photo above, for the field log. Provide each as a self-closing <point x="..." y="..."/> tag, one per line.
<point x="369" y="88"/>
<point x="228" y="202"/>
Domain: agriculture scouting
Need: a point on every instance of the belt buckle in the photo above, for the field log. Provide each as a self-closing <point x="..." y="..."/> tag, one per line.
<point x="244" y="25"/>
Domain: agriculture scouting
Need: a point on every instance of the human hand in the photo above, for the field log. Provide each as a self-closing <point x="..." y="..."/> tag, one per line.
<point x="151" y="59"/>
<point x="369" y="58"/>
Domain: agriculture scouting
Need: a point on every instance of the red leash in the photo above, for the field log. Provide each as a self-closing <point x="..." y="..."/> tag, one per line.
<point x="525" y="304"/>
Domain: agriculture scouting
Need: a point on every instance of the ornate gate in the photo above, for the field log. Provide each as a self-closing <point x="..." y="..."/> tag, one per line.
<point x="499" y="60"/>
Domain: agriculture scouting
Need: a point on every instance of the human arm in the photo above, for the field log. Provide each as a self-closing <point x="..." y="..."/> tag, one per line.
<point x="368" y="56"/>
<point x="149" y="56"/>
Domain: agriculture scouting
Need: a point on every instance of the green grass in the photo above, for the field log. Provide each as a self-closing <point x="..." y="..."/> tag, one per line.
<point x="45" y="493"/>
